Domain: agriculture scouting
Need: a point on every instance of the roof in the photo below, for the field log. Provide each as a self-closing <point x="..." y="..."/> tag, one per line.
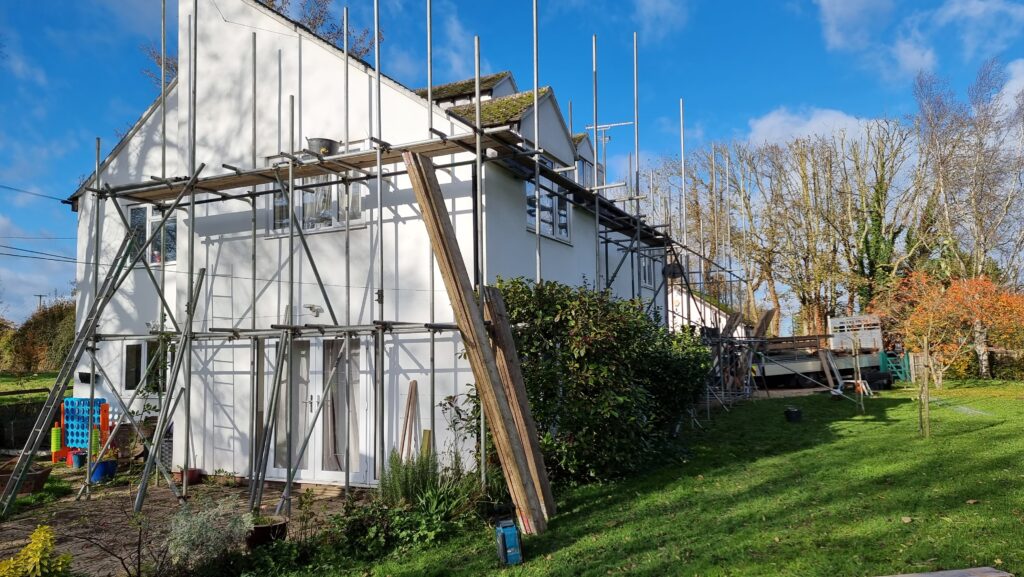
<point x="465" y="88"/>
<point x="499" y="111"/>
<point x="579" y="137"/>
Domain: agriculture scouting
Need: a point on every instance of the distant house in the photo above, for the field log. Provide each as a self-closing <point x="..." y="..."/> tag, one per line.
<point x="247" y="241"/>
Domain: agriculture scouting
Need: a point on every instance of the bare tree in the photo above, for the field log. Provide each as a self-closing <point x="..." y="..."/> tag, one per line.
<point x="972" y="154"/>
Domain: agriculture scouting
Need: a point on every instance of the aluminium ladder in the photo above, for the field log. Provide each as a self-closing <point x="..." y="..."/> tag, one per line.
<point x="64" y="376"/>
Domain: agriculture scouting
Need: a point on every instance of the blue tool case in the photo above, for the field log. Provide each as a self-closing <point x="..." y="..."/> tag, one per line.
<point x="510" y="549"/>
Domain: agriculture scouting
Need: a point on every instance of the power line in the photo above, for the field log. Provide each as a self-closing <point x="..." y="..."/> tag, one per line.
<point x="39" y="237"/>
<point x="23" y="191"/>
<point x="9" y="247"/>
<point x="28" y="256"/>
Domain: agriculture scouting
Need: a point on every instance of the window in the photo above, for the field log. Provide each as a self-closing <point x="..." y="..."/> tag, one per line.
<point x="132" y="366"/>
<point x="137" y="227"/>
<point x="137" y="357"/>
<point x="165" y="246"/>
<point x="324" y="205"/>
<point x="143" y="222"/>
<point x="555" y="211"/>
<point x="647" y="268"/>
<point x="585" y="173"/>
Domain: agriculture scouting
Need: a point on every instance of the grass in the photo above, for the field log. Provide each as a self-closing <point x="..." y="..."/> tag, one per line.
<point x="837" y="494"/>
<point x="14" y="382"/>
<point x="53" y="490"/>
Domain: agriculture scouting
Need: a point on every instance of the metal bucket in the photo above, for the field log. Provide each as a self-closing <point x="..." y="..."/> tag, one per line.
<point x="323" y="146"/>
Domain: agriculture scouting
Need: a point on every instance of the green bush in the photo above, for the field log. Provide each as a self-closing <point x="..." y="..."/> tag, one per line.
<point x="607" y="383"/>
<point x="403" y="482"/>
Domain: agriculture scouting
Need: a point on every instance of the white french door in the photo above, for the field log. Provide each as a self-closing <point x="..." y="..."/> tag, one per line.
<point x="338" y="437"/>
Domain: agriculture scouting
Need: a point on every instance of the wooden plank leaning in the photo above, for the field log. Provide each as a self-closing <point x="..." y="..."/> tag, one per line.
<point x="515" y="389"/>
<point x="470" y="321"/>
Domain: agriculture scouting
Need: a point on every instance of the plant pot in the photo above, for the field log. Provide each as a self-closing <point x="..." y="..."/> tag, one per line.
<point x="195" y="476"/>
<point x="104" y="471"/>
<point x="34" y="481"/>
<point x="275" y="529"/>
<point x="794" y="414"/>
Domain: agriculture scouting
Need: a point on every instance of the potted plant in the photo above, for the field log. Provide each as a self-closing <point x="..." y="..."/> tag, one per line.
<point x="195" y="476"/>
<point x="266" y="529"/>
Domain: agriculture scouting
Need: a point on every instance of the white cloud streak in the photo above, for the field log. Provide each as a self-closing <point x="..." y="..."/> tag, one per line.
<point x="783" y="124"/>
<point x="659" y="19"/>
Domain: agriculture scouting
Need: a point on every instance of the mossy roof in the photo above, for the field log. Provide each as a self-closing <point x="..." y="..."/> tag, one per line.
<point x="578" y="138"/>
<point x="499" y="111"/>
<point x="465" y="88"/>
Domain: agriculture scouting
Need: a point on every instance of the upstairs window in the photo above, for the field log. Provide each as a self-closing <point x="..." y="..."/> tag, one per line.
<point x="585" y="173"/>
<point x="555" y="210"/>
<point x="165" y="242"/>
<point x="322" y="203"/>
<point x="648" y="265"/>
<point x="143" y="222"/>
<point x="137" y="227"/>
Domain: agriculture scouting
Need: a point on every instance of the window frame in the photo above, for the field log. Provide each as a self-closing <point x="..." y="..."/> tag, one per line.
<point x="154" y="219"/>
<point x="555" y="202"/>
<point x="335" y="193"/>
<point x="647" y="270"/>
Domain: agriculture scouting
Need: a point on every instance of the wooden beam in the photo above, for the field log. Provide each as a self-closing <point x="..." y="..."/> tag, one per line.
<point x="470" y="321"/>
<point x="826" y="369"/>
<point x="515" y="388"/>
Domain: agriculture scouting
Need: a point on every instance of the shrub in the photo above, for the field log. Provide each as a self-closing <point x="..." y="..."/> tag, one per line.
<point x="38" y="558"/>
<point x="403" y="482"/>
<point x="201" y="535"/>
<point x="607" y="383"/>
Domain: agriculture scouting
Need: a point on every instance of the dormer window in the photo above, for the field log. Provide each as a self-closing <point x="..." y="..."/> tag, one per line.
<point x="555" y="210"/>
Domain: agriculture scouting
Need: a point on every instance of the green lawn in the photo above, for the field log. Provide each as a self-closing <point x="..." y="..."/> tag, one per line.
<point x="9" y="382"/>
<point x="837" y="494"/>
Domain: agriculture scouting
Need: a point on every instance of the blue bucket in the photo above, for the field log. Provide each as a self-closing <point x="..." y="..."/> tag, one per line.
<point x="104" y="471"/>
<point x="78" y="460"/>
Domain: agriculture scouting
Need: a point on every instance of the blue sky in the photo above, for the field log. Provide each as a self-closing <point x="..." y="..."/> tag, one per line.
<point x="753" y="69"/>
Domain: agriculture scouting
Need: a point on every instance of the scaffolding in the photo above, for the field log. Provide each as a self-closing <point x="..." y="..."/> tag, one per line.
<point x="617" y="229"/>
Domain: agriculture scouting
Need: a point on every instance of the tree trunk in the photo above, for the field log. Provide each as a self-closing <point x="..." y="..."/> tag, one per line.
<point x="981" y="349"/>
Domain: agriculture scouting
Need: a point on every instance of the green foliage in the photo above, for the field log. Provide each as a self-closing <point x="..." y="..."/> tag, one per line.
<point x="42" y="341"/>
<point x="38" y="558"/>
<point x="403" y="482"/>
<point x="607" y="384"/>
<point x="201" y="534"/>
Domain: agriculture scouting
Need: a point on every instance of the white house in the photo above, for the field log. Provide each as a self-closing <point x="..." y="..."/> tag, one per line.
<point x="265" y="85"/>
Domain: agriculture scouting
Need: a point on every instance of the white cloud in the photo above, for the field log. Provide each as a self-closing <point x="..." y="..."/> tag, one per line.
<point x="657" y="19"/>
<point x="986" y="27"/>
<point x="454" y="55"/>
<point x="142" y="17"/>
<point x="913" y="55"/>
<point x="782" y="124"/>
<point x="1014" y="83"/>
<point x="852" y="24"/>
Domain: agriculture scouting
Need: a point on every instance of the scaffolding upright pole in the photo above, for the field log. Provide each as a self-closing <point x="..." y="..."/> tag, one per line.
<point x="96" y="294"/>
<point x="254" y="341"/>
<point x="430" y="251"/>
<point x="478" y="229"/>
<point x="430" y="77"/>
<point x="348" y="264"/>
<point x="290" y="376"/>
<point x="380" y="457"/>
<point x="597" y="193"/>
<point x="193" y="51"/>
<point x="638" y="271"/>
<point x="536" y="144"/>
